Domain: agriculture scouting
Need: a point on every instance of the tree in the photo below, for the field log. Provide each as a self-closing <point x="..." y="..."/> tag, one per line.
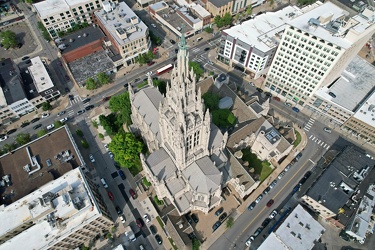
<point x="145" y="58"/>
<point x="58" y="124"/>
<point x="197" y="68"/>
<point x="211" y="100"/>
<point x="155" y="39"/>
<point x="42" y="132"/>
<point x="248" y="10"/>
<point x="223" y="118"/>
<point x="110" y="123"/>
<point x="91" y="84"/>
<point x="46" y="106"/>
<point x="79" y="133"/>
<point x="9" y="39"/>
<point x="23" y="138"/>
<point x="162" y="85"/>
<point x="29" y="1"/>
<point x="208" y="29"/>
<point x="44" y="31"/>
<point x="223" y="21"/>
<point x="120" y="104"/>
<point x="103" y="78"/>
<point x="9" y="147"/>
<point x="230" y="222"/>
<point x="95" y="123"/>
<point x="84" y="143"/>
<point x="196" y="244"/>
<point x="101" y="136"/>
<point x="126" y="148"/>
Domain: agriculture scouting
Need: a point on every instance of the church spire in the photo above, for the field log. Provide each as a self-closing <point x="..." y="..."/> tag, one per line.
<point x="182" y="43"/>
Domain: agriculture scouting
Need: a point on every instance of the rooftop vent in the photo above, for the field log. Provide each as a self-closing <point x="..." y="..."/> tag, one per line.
<point x="84" y="35"/>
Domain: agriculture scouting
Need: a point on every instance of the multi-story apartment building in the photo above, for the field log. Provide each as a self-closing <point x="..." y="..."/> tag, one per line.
<point x="315" y="48"/>
<point x="125" y="31"/>
<point x="241" y="5"/>
<point x="219" y="7"/>
<point x="62" y="15"/>
<point x="251" y="46"/>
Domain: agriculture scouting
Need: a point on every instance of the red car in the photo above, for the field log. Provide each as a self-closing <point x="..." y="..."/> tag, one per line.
<point x="151" y="63"/>
<point x="110" y="195"/>
<point x="139" y="223"/>
<point x="276" y="98"/>
<point x="270" y="202"/>
<point x="106" y="98"/>
<point x="133" y="194"/>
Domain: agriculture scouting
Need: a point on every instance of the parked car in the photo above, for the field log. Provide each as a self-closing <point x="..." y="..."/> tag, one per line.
<point x="270" y="203"/>
<point x="272" y="214"/>
<point x="61" y="113"/>
<point x="281" y="175"/>
<point x="194" y="217"/>
<point x="35" y="120"/>
<point x="92" y="159"/>
<point x="172" y="41"/>
<point x="276" y="98"/>
<point x="44" y="115"/>
<point x="258" y="231"/>
<point x="153" y="229"/>
<point x="63" y="120"/>
<point x="110" y="195"/>
<point x="153" y="25"/>
<point x="223" y="216"/>
<point x="251" y="206"/>
<point x="25" y="58"/>
<point x="216" y="225"/>
<point x="51" y="126"/>
<point x="266" y="222"/>
<point x="295" y="109"/>
<point x="28" y="61"/>
<point x="298" y="157"/>
<point x="151" y="63"/>
<point x="80" y="112"/>
<point x="25" y="124"/>
<point x="121" y="174"/>
<point x="248" y="242"/>
<point x="3" y="138"/>
<point x="122" y="219"/>
<point x="188" y="219"/>
<point x="139" y="223"/>
<point x="268" y="94"/>
<point x="219" y="211"/>
<point x="206" y="49"/>
<point x="260" y="90"/>
<point x="86" y="100"/>
<point x="287" y="167"/>
<point x="111" y="155"/>
<point x="252" y="84"/>
<point x="273" y="184"/>
<point x="132" y="194"/>
<point x="89" y="107"/>
<point x="146" y="218"/>
<point x="118" y="210"/>
<point x="287" y="104"/>
<point x="328" y="130"/>
<point x="37" y="126"/>
<point x="158" y="239"/>
<point x="266" y="190"/>
<point x="259" y="198"/>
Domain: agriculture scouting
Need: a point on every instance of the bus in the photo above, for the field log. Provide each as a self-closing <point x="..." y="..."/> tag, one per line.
<point x="164" y="69"/>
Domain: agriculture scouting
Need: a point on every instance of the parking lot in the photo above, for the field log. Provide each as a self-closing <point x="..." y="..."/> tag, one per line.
<point x="24" y="36"/>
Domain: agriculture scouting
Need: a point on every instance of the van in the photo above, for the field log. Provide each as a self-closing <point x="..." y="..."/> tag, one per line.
<point x="104" y="183"/>
<point x="199" y="38"/>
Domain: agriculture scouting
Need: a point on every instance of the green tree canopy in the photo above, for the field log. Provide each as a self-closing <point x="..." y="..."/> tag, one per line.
<point x="91" y="84"/>
<point x="79" y="133"/>
<point x="46" y="106"/>
<point x="58" y="124"/>
<point x="208" y="29"/>
<point x="103" y="78"/>
<point x="120" y="104"/>
<point x="9" y="39"/>
<point x="230" y="222"/>
<point x="162" y="85"/>
<point x="223" y="21"/>
<point x="110" y="123"/>
<point x="85" y="143"/>
<point x="211" y="100"/>
<point x="42" y="132"/>
<point x="248" y="10"/>
<point x="197" y="68"/>
<point x="223" y="118"/>
<point x="9" y="147"/>
<point x="155" y="39"/>
<point x="23" y="138"/>
<point x="144" y="58"/>
<point x="44" y="31"/>
<point x="126" y="149"/>
<point x="196" y="244"/>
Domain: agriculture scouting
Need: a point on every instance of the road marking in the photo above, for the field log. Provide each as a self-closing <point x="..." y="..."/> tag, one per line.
<point x="308" y="126"/>
<point x="275" y="196"/>
<point x="311" y="136"/>
<point x="327" y="147"/>
<point x="312" y="161"/>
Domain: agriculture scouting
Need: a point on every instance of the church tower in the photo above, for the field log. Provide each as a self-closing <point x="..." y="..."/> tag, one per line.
<point x="184" y="125"/>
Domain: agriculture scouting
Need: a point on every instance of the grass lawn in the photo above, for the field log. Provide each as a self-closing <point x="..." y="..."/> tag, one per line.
<point x="262" y="168"/>
<point x="298" y="138"/>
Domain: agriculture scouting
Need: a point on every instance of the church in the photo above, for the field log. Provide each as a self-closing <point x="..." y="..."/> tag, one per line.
<point x="186" y="148"/>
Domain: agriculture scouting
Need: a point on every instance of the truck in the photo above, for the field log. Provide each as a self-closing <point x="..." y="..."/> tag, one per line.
<point x="129" y="233"/>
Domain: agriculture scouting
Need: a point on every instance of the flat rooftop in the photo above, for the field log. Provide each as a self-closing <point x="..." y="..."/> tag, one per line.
<point x="52" y="7"/>
<point x="264" y="31"/>
<point x="121" y="22"/>
<point x="366" y="112"/>
<point x="299" y="231"/>
<point x="11" y="85"/>
<point x="54" y="210"/>
<point x="354" y="85"/>
<point x="341" y="179"/>
<point x="40" y="75"/>
<point x="47" y="147"/>
<point x="326" y="21"/>
<point x="81" y="38"/>
<point x="90" y="65"/>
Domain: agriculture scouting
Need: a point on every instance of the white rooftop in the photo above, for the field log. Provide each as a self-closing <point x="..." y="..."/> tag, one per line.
<point x="273" y="242"/>
<point x="356" y="78"/>
<point x="200" y="10"/>
<point x="56" y="209"/>
<point x="326" y="22"/>
<point x="299" y="231"/>
<point x="366" y="112"/>
<point x="121" y="22"/>
<point x="49" y="8"/>
<point x="40" y="75"/>
<point x="264" y="31"/>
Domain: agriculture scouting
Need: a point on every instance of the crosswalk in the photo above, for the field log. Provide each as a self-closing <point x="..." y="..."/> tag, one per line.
<point x="199" y="59"/>
<point x="76" y="99"/>
<point x="319" y="142"/>
<point x="196" y="49"/>
<point x="309" y="124"/>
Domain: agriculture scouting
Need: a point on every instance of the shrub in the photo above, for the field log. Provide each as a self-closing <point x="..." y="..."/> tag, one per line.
<point x="157" y="201"/>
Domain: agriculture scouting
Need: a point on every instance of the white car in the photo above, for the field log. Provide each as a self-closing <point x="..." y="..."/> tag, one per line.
<point x="328" y="130"/>
<point x="259" y="198"/>
<point x="44" y="115"/>
<point x="248" y="242"/>
<point x="4" y="138"/>
<point x="63" y="120"/>
<point x="106" y="147"/>
<point x="281" y="175"/>
<point x="149" y="73"/>
<point x="153" y="25"/>
<point x="273" y="214"/>
<point x="146" y="218"/>
<point x="111" y="155"/>
<point x="252" y="84"/>
<point x="51" y="126"/>
<point x="287" y="167"/>
<point x="92" y="159"/>
<point x="122" y="218"/>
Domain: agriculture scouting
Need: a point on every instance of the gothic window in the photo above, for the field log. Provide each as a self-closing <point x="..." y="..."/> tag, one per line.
<point x="189" y="142"/>
<point x="196" y="138"/>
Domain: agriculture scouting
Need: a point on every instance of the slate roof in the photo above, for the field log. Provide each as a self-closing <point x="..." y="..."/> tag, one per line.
<point x="161" y="164"/>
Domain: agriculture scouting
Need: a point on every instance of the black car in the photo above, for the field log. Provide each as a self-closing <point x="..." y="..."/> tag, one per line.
<point x="25" y="124"/>
<point x="81" y="112"/>
<point x="251" y="206"/>
<point x="153" y="229"/>
<point x="258" y="231"/>
<point x="266" y="222"/>
<point x="121" y="174"/>
<point x="11" y="131"/>
<point x="86" y="100"/>
<point x="67" y="90"/>
<point x="25" y="58"/>
<point x="118" y="210"/>
<point x="71" y="97"/>
<point x="176" y="50"/>
<point x="28" y="61"/>
<point x="117" y="167"/>
<point x="89" y="107"/>
<point x="188" y="218"/>
<point x="19" y="45"/>
<point x="260" y="90"/>
<point x="206" y="49"/>
<point x="298" y="156"/>
<point x="219" y="211"/>
<point x="216" y="225"/>
<point x="266" y="190"/>
<point x="126" y="85"/>
<point x="268" y="94"/>
<point x="174" y="59"/>
<point x="136" y="79"/>
<point x="343" y="235"/>
<point x="223" y="216"/>
<point x="172" y="41"/>
<point x="37" y="126"/>
<point x="158" y="239"/>
<point x="194" y="217"/>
